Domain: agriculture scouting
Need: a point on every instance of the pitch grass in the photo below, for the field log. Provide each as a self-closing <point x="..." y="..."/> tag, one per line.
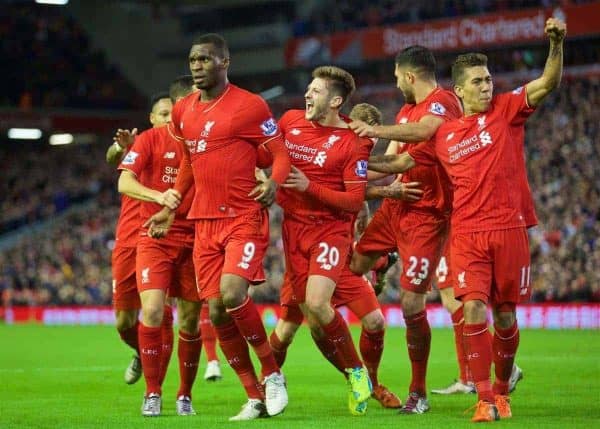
<point x="72" y="377"/>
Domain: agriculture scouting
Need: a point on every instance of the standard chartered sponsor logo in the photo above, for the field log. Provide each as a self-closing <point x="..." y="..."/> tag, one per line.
<point x="300" y="152"/>
<point x="170" y="175"/>
<point x="469" y="145"/>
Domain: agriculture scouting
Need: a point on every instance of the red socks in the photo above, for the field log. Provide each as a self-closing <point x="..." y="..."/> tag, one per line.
<point x="330" y="352"/>
<point x="130" y="337"/>
<point x="478" y="349"/>
<point x="188" y="351"/>
<point x="235" y="349"/>
<point x="338" y="334"/>
<point x="208" y="334"/>
<point x="250" y="325"/>
<point x="279" y="349"/>
<point x="458" y="323"/>
<point x="167" y="341"/>
<point x="150" y="353"/>
<point x="371" y="349"/>
<point x="504" y="347"/>
<point x="418" y="341"/>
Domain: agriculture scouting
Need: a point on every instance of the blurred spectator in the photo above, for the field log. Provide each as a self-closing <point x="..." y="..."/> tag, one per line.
<point x="47" y="61"/>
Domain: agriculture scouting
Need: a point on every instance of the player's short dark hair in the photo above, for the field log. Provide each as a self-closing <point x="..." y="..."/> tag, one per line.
<point x="342" y="82"/>
<point x="465" y="61"/>
<point x="180" y="87"/>
<point x="367" y="113"/>
<point x="157" y="97"/>
<point x="418" y="58"/>
<point x="216" y="40"/>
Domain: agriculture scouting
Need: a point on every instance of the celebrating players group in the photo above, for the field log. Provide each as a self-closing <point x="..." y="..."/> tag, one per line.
<point x="194" y="227"/>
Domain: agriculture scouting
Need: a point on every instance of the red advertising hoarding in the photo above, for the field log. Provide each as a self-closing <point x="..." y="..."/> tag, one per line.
<point x="463" y="33"/>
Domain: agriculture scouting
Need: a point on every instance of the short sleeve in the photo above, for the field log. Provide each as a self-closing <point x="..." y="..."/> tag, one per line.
<point x="255" y="123"/>
<point x="513" y="106"/>
<point x="355" y="169"/>
<point x="139" y="156"/>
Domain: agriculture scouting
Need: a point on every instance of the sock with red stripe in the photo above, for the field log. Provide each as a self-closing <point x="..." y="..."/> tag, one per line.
<point x="279" y="349"/>
<point x="338" y="334"/>
<point x="236" y="351"/>
<point x="478" y="350"/>
<point x="209" y="336"/>
<point x="167" y="341"/>
<point x="371" y="349"/>
<point x="458" y="323"/>
<point x="249" y="323"/>
<point x="504" y="346"/>
<point x="418" y="341"/>
<point x="150" y="354"/>
<point x="188" y="352"/>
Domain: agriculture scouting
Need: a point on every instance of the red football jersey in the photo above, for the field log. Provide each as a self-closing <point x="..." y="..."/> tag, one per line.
<point x="329" y="156"/>
<point x="154" y="158"/>
<point x="483" y="159"/>
<point x="129" y="222"/>
<point x="222" y="137"/>
<point x="437" y="191"/>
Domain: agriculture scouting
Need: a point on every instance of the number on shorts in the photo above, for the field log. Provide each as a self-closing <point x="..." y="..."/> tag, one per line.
<point x="423" y="272"/>
<point x="249" y="250"/>
<point x="329" y="256"/>
<point x="442" y="270"/>
<point x="525" y="278"/>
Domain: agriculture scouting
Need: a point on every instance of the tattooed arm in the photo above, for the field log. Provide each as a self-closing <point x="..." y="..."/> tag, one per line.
<point x="539" y="88"/>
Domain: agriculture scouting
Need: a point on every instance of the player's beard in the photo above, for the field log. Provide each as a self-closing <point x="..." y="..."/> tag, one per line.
<point x="316" y="113"/>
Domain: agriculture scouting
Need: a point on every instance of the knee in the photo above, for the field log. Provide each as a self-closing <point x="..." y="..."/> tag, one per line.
<point x="374" y="322"/>
<point x="152" y="314"/>
<point x="286" y="331"/>
<point x="475" y="311"/>
<point x="504" y="319"/>
<point x="125" y="319"/>
<point x="316" y="307"/>
<point x="412" y="303"/>
<point x="234" y="295"/>
<point x="217" y="313"/>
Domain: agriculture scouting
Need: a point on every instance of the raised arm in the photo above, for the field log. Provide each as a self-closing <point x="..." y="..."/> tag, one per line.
<point x="539" y="88"/>
<point x="391" y="164"/>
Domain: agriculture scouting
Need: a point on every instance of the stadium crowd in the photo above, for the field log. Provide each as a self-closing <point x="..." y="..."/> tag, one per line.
<point x="48" y="61"/>
<point x="69" y="262"/>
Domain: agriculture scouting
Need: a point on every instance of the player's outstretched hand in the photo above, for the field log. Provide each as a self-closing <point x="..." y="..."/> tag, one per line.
<point x="409" y="191"/>
<point x="362" y="128"/>
<point x="159" y="223"/>
<point x="170" y="198"/>
<point x="556" y="29"/>
<point x="125" y="138"/>
<point x="264" y="192"/>
<point x="296" y="180"/>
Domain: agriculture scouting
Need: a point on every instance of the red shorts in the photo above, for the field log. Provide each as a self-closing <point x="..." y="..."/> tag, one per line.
<point x="352" y="290"/>
<point x="320" y="248"/>
<point x="163" y="265"/>
<point x="419" y="238"/>
<point x="492" y="266"/>
<point x="234" y="245"/>
<point x="124" y="286"/>
<point x="442" y="272"/>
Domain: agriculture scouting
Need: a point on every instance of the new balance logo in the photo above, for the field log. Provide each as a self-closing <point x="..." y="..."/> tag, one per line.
<point x="485" y="138"/>
<point x="320" y="158"/>
<point x="449" y="137"/>
<point x="146" y="275"/>
<point x="295" y="132"/>
<point x="169" y="155"/>
<point x="243" y="265"/>
<point x="207" y="127"/>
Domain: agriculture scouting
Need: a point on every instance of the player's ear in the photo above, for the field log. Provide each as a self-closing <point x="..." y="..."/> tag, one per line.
<point x="458" y="90"/>
<point x="151" y="118"/>
<point x="336" y="102"/>
<point x="224" y="63"/>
